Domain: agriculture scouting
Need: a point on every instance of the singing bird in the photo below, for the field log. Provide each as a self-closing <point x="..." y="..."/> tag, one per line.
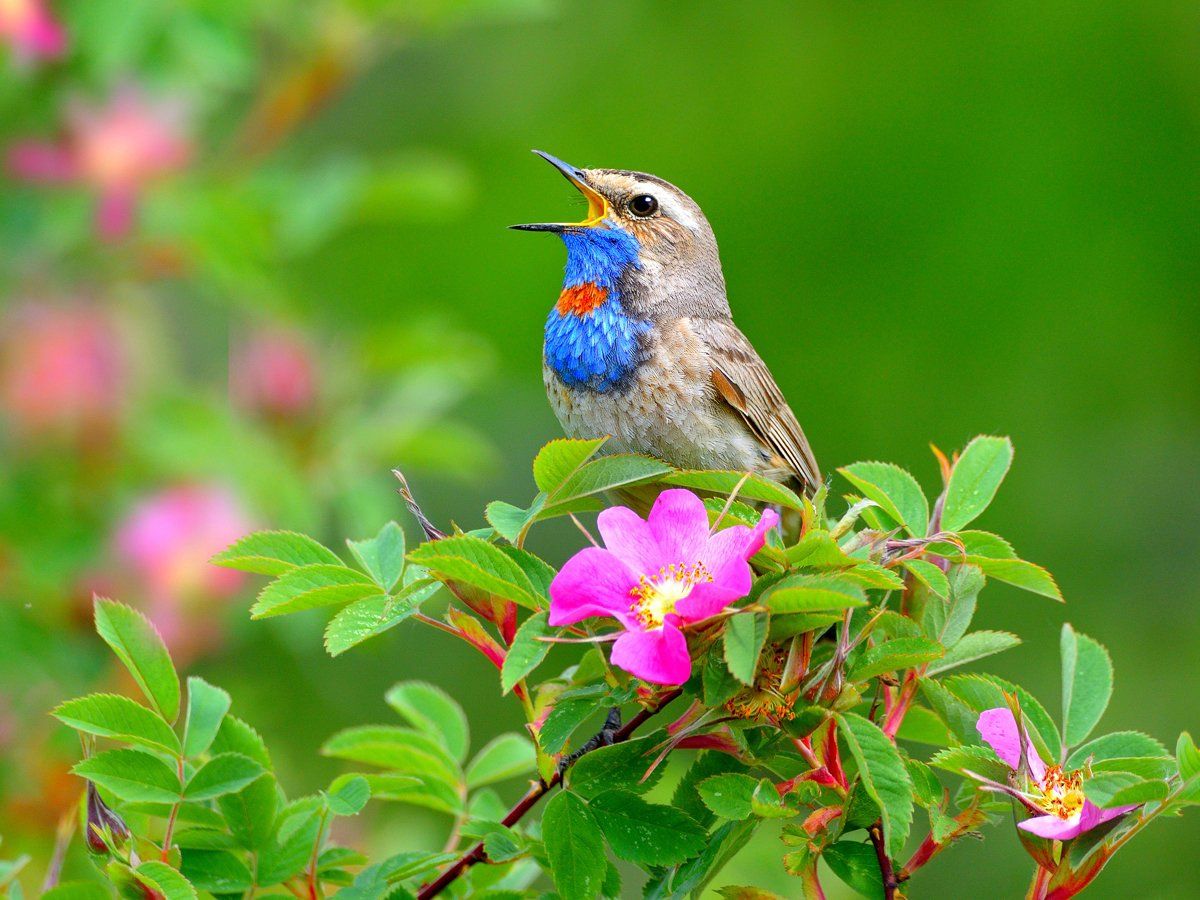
<point x="641" y="345"/>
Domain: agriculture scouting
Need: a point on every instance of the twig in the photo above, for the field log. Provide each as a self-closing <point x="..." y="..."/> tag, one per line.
<point x="477" y="854"/>
<point x="885" y="863"/>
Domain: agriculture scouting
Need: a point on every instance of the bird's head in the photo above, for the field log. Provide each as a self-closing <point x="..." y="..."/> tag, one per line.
<point x="644" y="235"/>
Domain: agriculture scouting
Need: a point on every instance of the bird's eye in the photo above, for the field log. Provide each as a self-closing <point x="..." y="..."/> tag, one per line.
<point x="643" y="205"/>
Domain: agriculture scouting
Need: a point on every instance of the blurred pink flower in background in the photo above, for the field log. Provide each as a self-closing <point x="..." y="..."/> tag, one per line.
<point x="165" y="543"/>
<point x="273" y="372"/>
<point x="31" y="30"/>
<point x="114" y="149"/>
<point x="63" y="369"/>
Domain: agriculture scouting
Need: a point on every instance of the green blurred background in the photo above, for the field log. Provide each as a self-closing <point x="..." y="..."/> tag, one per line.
<point x="936" y="220"/>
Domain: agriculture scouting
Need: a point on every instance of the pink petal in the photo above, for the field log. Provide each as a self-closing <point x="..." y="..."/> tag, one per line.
<point x="594" y="582"/>
<point x="726" y="558"/>
<point x="659" y="656"/>
<point x="40" y="161"/>
<point x="628" y="536"/>
<point x="679" y="522"/>
<point x="998" y="728"/>
<point x="1105" y="815"/>
<point x="1054" y="828"/>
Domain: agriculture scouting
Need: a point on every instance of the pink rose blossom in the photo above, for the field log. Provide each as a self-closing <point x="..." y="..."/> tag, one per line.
<point x="1058" y="794"/>
<point x="655" y="578"/>
<point x="274" y="372"/>
<point x="115" y="150"/>
<point x="31" y="30"/>
<point x="63" y="369"/>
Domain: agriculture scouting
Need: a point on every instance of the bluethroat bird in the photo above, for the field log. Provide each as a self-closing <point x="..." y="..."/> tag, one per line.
<point x="641" y="345"/>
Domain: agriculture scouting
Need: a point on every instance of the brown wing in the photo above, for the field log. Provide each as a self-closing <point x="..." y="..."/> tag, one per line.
<point x="744" y="382"/>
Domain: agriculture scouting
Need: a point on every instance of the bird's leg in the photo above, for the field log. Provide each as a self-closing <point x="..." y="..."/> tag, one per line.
<point x="602" y="738"/>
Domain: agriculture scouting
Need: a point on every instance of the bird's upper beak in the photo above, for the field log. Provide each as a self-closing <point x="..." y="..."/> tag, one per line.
<point x="597" y="204"/>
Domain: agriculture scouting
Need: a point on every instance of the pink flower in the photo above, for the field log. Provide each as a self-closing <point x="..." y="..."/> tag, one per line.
<point x="656" y="577"/>
<point x="31" y="30"/>
<point x="63" y="369"/>
<point x="166" y="542"/>
<point x="1058" y="794"/>
<point x="274" y="372"/>
<point x="115" y="150"/>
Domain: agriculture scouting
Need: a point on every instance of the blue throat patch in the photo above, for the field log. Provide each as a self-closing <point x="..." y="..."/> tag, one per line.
<point x="590" y="342"/>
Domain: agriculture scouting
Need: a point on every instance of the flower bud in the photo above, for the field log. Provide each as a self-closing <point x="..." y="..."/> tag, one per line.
<point x="104" y="830"/>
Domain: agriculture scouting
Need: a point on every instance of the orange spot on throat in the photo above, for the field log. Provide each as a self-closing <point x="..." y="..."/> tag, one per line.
<point x="581" y="299"/>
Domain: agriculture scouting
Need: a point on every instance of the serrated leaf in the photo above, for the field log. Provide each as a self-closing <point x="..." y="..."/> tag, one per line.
<point x="480" y="564"/>
<point x="206" y="708"/>
<point x="607" y="473"/>
<point x="405" y="750"/>
<point x="754" y="487"/>
<point x="364" y="619"/>
<point x="223" y="774"/>
<point x="250" y="812"/>
<point x="433" y="711"/>
<point x="527" y="650"/>
<point x="895" y="490"/>
<point x="170" y="884"/>
<point x="565" y="717"/>
<point x="1111" y="789"/>
<point x="236" y="736"/>
<point x="1020" y="573"/>
<point x="646" y="833"/>
<point x="311" y="587"/>
<point x="274" y="552"/>
<point x="883" y="775"/>
<point x="857" y="865"/>
<point x="1187" y="756"/>
<point x="348" y="795"/>
<point x="69" y="890"/>
<point x="931" y="576"/>
<point x="813" y="593"/>
<point x="985" y="691"/>
<point x="974" y="646"/>
<point x="728" y="795"/>
<point x="141" y="650"/>
<point x="1087" y="679"/>
<point x="946" y="621"/>
<point x="382" y="556"/>
<point x="504" y="757"/>
<point x="818" y="550"/>
<point x="717" y="681"/>
<point x="622" y="766"/>
<point x="1115" y="745"/>
<point x="745" y="634"/>
<point x="975" y="480"/>
<point x="971" y="758"/>
<point x="426" y="791"/>
<point x="560" y="459"/>
<point x="895" y="655"/>
<point x="539" y="572"/>
<point x="118" y="717"/>
<point x="220" y="872"/>
<point x="132" y="775"/>
<point x="574" y="846"/>
<point x="509" y="520"/>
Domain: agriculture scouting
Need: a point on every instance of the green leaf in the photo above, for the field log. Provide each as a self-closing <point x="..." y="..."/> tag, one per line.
<point x="348" y="795"/>
<point x="206" y="708"/>
<point x="504" y="757"/>
<point x="857" y="865"/>
<point x="539" y="572"/>
<point x="564" y="718"/>
<point x="219" y="872"/>
<point x="923" y="726"/>
<point x="510" y="521"/>
<point x="235" y="736"/>
<point x="813" y="593"/>
<point x="718" y="682"/>
<point x="691" y="878"/>
<point x="574" y="846"/>
<point x="250" y="812"/>
<point x="1187" y="756"/>
<point x="71" y="890"/>
<point x="404" y="750"/>
<point x="560" y="459"/>
<point x="883" y="776"/>
<point x="646" y="833"/>
<point x="169" y="883"/>
<point x="118" y="717"/>
<point x="426" y="791"/>
<point x="622" y="766"/>
<point x="754" y="487"/>
<point x="894" y="655"/>
<point x="975" y="480"/>
<point x="745" y="634"/>
<point x="430" y="709"/>
<point x="527" y="650"/>
<point x="896" y="492"/>
<point x="971" y="758"/>
<point x="1019" y="573"/>
<point x="982" y="692"/>
<point x="1111" y="789"/>
<point x="364" y="619"/>
<point x="132" y="775"/>
<point x="1087" y="679"/>
<point x="223" y="774"/>
<point x="931" y="576"/>
<point x="946" y="621"/>
<point x="476" y="562"/>
<point x="973" y="646"/>
<point x="275" y="552"/>
<point x="1118" y="744"/>
<point x="138" y="645"/>
<point x="382" y="556"/>
<point x="609" y="472"/>
<point x="728" y="796"/>
<point x="310" y="587"/>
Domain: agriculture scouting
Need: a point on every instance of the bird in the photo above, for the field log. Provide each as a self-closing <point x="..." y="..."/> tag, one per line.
<point x="641" y="347"/>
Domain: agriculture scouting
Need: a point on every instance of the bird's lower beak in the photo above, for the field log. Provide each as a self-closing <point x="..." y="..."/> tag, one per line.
<point x="597" y="205"/>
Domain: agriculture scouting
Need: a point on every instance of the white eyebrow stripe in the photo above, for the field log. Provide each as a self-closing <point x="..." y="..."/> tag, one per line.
<point x="669" y="204"/>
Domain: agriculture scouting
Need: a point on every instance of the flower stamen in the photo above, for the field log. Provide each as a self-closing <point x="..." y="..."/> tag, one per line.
<point x="1061" y="792"/>
<point x="655" y="596"/>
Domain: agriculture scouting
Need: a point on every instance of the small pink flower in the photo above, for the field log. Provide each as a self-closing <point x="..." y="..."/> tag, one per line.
<point x="31" y="30"/>
<point x="1058" y="794"/>
<point x="63" y="369"/>
<point x="656" y="577"/>
<point x="115" y="150"/>
<point x="274" y="372"/>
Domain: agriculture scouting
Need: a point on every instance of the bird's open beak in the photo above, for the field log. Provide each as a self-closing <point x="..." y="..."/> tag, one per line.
<point x="597" y="205"/>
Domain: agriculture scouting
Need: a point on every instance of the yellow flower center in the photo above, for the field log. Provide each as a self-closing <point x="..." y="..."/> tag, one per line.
<point x="1062" y="793"/>
<point x="655" y="596"/>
